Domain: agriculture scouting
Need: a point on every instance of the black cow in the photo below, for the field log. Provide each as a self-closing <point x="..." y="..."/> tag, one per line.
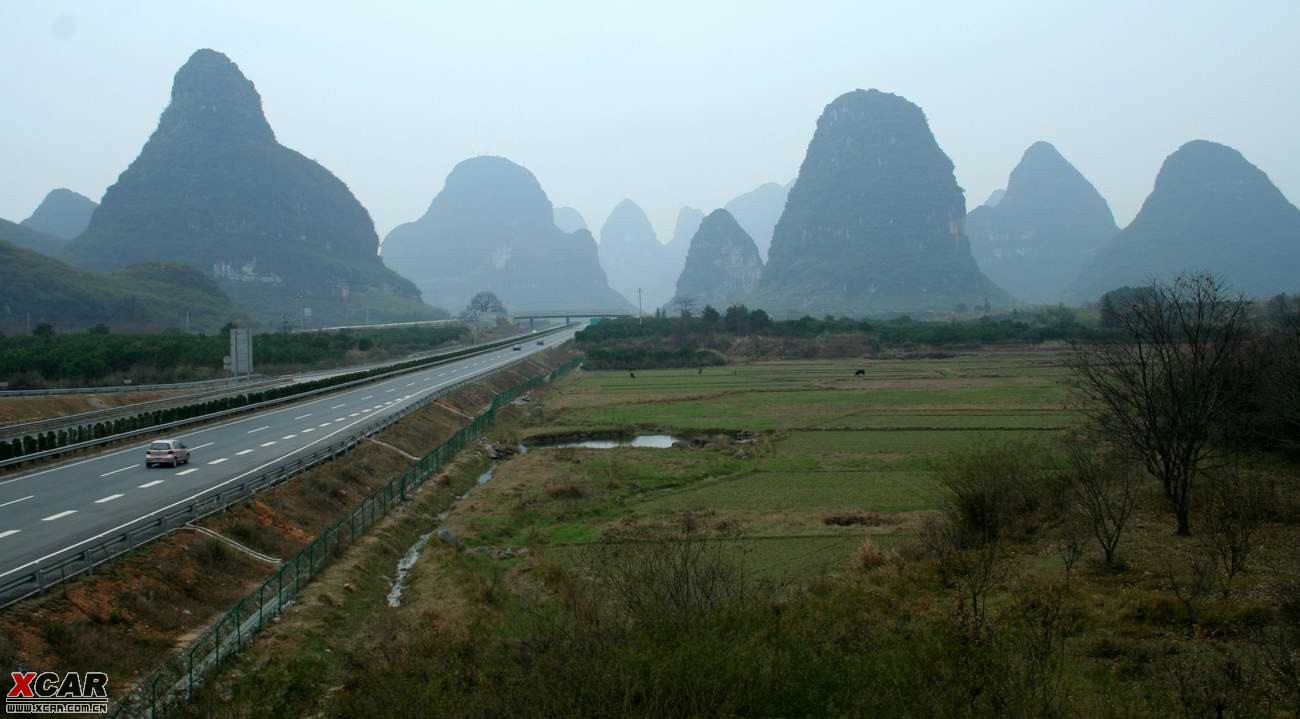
<point x="860" y="373"/>
<point x="631" y="374"/>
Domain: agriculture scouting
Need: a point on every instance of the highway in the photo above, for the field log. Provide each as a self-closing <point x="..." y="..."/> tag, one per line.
<point x="48" y="514"/>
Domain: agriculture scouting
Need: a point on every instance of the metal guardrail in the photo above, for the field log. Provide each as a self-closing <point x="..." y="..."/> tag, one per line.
<point x="200" y="419"/>
<point x="184" y="672"/>
<point x="223" y="382"/>
<point x="17" y="429"/>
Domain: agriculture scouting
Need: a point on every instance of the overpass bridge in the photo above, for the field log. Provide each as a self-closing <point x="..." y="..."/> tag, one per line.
<point x="568" y="315"/>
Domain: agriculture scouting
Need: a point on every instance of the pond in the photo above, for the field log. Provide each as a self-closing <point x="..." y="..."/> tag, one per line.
<point x="650" y="441"/>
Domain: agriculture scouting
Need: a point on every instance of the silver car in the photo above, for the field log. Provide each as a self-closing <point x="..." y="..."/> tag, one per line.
<point x="166" y="451"/>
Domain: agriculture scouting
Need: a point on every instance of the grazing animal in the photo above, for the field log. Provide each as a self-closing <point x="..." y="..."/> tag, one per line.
<point x="860" y="373"/>
<point x="631" y="374"/>
<point x="701" y="371"/>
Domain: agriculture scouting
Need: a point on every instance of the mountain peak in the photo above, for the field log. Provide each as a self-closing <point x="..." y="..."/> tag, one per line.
<point x="210" y="94"/>
<point x="723" y="264"/>
<point x="1210" y="209"/>
<point x="63" y="213"/>
<point x="1043" y="229"/>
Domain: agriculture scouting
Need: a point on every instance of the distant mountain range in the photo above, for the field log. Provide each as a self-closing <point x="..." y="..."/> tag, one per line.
<point x="35" y="288"/>
<point x="873" y="223"/>
<point x="634" y="258"/>
<point x="1210" y="210"/>
<point x="1037" y="236"/>
<point x="213" y="189"/>
<point x="492" y="227"/>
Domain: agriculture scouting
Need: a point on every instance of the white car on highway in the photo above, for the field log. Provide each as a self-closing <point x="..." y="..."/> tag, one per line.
<point x="166" y="451"/>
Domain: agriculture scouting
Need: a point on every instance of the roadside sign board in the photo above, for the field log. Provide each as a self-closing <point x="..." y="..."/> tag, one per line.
<point x="241" y="351"/>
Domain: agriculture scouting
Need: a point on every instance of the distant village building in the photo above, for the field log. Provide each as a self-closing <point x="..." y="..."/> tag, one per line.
<point x="247" y="273"/>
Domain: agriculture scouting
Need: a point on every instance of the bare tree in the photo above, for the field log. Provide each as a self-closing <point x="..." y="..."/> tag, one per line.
<point x="1237" y="504"/>
<point x="1167" y="381"/>
<point x="484" y="303"/>
<point x="685" y="304"/>
<point x="1105" y="489"/>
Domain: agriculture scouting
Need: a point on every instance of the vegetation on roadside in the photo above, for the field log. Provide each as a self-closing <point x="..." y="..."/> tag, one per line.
<point x="98" y="357"/>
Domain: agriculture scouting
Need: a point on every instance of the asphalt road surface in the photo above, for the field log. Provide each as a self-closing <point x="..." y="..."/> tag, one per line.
<point x="48" y="514"/>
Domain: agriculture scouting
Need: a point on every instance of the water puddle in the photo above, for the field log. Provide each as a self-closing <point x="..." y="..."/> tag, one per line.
<point x="648" y="441"/>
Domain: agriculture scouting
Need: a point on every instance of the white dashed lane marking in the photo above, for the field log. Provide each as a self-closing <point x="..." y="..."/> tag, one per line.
<point x="117" y="470"/>
<point x="60" y="515"/>
<point x="302" y="416"/>
<point x="184" y="472"/>
<point x="259" y="429"/>
<point x="9" y="532"/>
<point x="218" y="461"/>
<point x="323" y="424"/>
<point x="16" y="501"/>
<point x="267" y="444"/>
<point x="309" y="429"/>
<point x="289" y="436"/>
<point x="338" y="405"/>
<point x="369" y="396"/>
<point x="201" y="446"/>
<point x="243" y="452"/>
<point x="147" y="485"/>
<point x="109" y="498"/>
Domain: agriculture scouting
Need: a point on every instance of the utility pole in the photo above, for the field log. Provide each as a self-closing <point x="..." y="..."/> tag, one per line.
<point x="638" y="305"/>
<point x="187" y="321"/>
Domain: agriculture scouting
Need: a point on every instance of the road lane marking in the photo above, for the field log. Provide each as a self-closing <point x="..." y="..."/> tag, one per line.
<point x="390" y="390"/>
<point x="147" y="485"/>
<point x="410" y="384"/>
<point x="16" y="501"/>
<point x="309" y="429"/>
<point x="109" y="498"/>
<point x="338" y="405"/>
<point x="259" y="429"/>
<point x="201" y="446"/>
<point x="184" y="472"/>
<point x="243" y="452"/>
<point x="367" y="409"/>
<point x="377" y="406"/>
<point x="267" y="444"/>
<point x="354" y="414"/>
<point x="108" y="473"/>
<point x="9" y="532"/>
<point x="60" y="515"/>
<point x="339" y="419"/>
<point x="289" y="436"/>
<point x="218" y="461"/>
<point x="369" y="396"/>
<point x="305" y="416"/>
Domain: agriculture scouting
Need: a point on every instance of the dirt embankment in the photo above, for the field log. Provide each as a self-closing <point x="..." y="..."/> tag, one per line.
<point x="131" y="613"/>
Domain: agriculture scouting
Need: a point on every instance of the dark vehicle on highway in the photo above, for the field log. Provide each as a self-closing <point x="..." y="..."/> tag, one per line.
<point x="518" y="348"/>
<point x="166" y="451"/>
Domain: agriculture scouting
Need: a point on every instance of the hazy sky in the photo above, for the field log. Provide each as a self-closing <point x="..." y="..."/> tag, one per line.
<point x="668" y="103"/>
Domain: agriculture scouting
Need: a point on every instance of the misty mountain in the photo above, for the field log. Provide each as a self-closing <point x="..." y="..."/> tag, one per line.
<point x="994" y="198"/>
<point x="569" y="219"/>
<point x="758" y="210"/>
<point x="30" y="239"/>
<point x="63" y="214"/>
<point x="145" y="297"/>
<point x="1211" y="210"/>
<point x="873" y="223"/>
<point x="212" y="188"/>
<point x="492" y="228"/>
<point x="688" y="221"/>
<point x="723" y="265"/>
<point x="633" y="257"/>
<point x="1046" y="228"/>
